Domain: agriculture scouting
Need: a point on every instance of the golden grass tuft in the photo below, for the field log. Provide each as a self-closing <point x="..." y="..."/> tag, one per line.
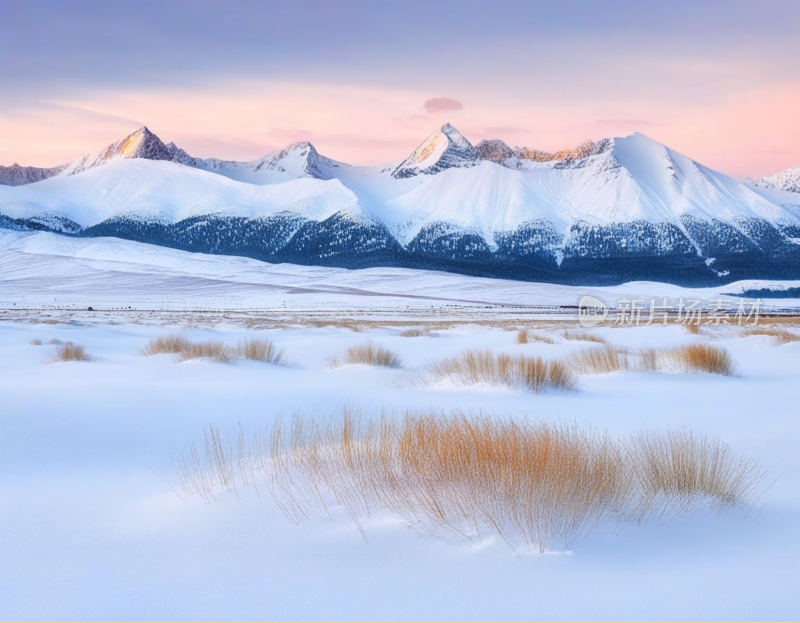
<point x="780" y="336"/>
<point x="524" y="337"/>
<point x="357" y="326"/>
<point x="650" y="359"/>
<point x="168" y="345"/>
<point x="675" y="471"/>
<point x="210" y="351"/>
<point x="691" y="328"/>
<point x="703" y="358"/>
<point x="582" y="336"/>
<point x="261" y="350"/>
<point x="71" y="352"/>
<point x="367" y="354"/>
<point x="413" y="333"/>
<point x="602" y="360"/>
<point x="539" y="337"/>
<point x="54" y="341"/>
<point x="519" y="372"/>
<point x="536" y="484"/>
<point x="185" y="350"/>
<point x="35" y="342"/>
<point x="686" y="359"/>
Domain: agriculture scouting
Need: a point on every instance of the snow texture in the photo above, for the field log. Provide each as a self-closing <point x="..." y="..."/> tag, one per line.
<point x="90" y="528"/>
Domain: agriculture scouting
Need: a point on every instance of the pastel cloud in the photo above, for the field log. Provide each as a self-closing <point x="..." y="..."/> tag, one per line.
<point x="437" y="105"/>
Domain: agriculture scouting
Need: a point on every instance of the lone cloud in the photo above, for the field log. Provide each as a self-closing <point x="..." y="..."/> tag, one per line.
<point x="441" y="104"/>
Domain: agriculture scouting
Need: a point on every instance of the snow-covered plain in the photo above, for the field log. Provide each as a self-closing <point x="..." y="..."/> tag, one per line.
<point x="44" y="270"/>
<point x="90" y="528"/>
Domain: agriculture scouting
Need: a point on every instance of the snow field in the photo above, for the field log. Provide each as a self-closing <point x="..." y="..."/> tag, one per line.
<point x="85" y="450"/>
<point x="44" y="270"/>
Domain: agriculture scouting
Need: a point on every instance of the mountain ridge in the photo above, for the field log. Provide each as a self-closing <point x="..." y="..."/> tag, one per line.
<point x="787" y="180"/>
<point x="17" y="175"/>
<point x="608" y="210"/>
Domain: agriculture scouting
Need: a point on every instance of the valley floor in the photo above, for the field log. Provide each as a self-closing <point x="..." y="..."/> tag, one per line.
<point x="130" y="281"/>
<point x="91" y="528"/>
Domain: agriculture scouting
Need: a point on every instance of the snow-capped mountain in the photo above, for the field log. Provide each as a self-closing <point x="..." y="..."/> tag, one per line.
<point x="141" y="144"/>
<point x="17" y="175"/>
<point x="522" y="157"/>
<point x="782" y="188"/>
<point x="607" y="211"/>
<point x="444" y="149"/>
<point x="496" y="151"/>
<point x="786" y="181"/>
<point x="295" y="161"/>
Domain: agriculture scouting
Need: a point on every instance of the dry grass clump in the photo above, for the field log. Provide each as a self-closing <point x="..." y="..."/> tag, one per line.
<point x="54" y="341"/>
<point x="357" y="326"/>
<point x="687" y="359"/>
<point x="691" y="328"/>
<point x="519" y="372"/>
<point x="524" y="336"/>
<point x="48" y="321"/>
<point x="677" y="471"/>
<point x="368" y="354"/>
<point x="582" y="336"/>
<point x="413" y="333"/>
<point x="35" y="342"/>
<point x="537" y="485"/>
<point x="650" y="359"/>
<point x="781" y="336"/>
<point x="169" y="345"/>
<point x="703" y="358"/>
<point x="211" y="351"/>
<point x="599" y="361"/>
<point x="791" y="320"/>
<point x="185" y="350"/>
<point x="71" y="352"/>
<point x="261" y="350"/>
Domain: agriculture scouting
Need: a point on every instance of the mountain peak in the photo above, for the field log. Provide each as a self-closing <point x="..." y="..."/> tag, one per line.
<point x="301" y="159"/>
<point x="787" y="180"/>
<point x="494" y="150"/>
<point x="17" y="175"/>
<point x="141" y="143"/>
<point x="179" y="155"/>
<point x="300" y="145"/>
<point x="498" y="152"/>
<point x="444" y="149"/>
<point x="455" y="136"/>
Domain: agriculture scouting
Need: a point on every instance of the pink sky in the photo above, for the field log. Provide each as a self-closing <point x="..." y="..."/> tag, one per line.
<point x="717" y="80"/>
<point x="366" y="82"/>
<point x="742" y="134"/>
